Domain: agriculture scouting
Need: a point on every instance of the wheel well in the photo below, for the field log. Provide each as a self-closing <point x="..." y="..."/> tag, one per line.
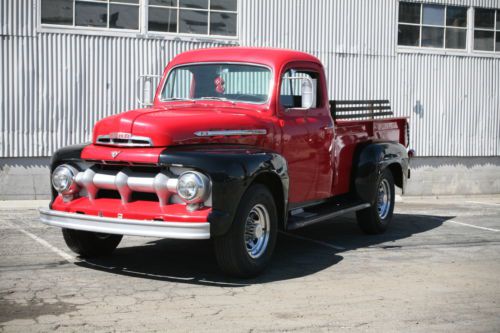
<point x="273" y="183"/>
<point x="397" y="174"/>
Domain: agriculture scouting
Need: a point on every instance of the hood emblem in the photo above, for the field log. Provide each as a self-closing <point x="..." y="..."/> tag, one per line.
<point x="232" y="132"/>
<point x="115" y="153"/>
<point x="120" y="135"/>
<point x="124" y="140"/>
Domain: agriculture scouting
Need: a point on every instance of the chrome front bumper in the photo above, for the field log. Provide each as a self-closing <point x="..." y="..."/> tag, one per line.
<point x="162" y="229"/>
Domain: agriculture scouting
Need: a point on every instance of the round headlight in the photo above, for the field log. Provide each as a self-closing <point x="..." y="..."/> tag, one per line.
<point x="193" y="187"/>
<point x="63" y="179"/>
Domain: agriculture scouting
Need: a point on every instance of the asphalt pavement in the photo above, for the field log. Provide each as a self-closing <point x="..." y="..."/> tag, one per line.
<point x="436" y="269"/>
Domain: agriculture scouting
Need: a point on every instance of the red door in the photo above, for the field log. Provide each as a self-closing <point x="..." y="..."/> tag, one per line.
<point x="307" y="137"/>
<point x="297" y="152"/>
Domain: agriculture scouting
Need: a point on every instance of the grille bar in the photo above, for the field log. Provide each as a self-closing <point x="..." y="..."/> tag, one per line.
<point x="126" y="182"/>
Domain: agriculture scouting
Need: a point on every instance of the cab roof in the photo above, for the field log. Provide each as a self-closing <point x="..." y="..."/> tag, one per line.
<point x="272" y="57"/>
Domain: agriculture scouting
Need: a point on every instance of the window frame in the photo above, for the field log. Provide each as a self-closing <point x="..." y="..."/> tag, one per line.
<point x="496" y="30"/>
<point x="308" y="71"/>
<point x="468" y="51"/>
<point x="421" y="25"/>
<point x="178" y="8"/>
<point x="142" y="31"/>
<point x="271" y="78"/>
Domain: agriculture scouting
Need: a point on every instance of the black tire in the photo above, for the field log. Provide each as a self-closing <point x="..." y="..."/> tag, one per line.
<point x="370" y="219"/>
<point x="231" y="249"/>
<point x="90" y="244"/>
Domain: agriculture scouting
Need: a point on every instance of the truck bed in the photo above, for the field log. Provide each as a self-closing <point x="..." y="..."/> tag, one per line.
<point x="350" y="134"/>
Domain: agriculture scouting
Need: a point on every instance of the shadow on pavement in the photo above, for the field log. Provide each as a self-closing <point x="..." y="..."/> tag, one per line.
<point x="194" y="261"/>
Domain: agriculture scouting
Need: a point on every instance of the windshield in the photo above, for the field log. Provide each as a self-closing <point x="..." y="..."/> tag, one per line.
<point x="231" y="82"/>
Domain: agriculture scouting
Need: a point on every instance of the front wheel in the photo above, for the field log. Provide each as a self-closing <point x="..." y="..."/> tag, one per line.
<point x="376" y="218"/>
<point x="245" y="250"/>
<point x="90" y="244"/>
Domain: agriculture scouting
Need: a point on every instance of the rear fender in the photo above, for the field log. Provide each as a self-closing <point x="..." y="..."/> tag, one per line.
<point x="372" y="160"/>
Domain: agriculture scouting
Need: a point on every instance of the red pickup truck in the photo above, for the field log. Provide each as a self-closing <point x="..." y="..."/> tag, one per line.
<point x="238" y="144"/>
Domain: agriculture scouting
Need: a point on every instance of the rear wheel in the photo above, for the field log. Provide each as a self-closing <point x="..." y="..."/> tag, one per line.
<point x="245" y="250"/>
<point x="376" y="218"/>
<point x="90" y="244"/>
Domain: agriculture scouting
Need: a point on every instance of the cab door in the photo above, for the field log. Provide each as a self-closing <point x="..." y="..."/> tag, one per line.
<point x="305" y="133"/>
<point x="321" y="134"/>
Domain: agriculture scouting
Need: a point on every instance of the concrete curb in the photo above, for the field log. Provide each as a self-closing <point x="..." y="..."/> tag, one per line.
<point x="490" y="198"/>
<point x="23" y="204"/>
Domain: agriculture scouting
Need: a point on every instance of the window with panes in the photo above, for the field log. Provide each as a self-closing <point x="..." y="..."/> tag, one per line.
<point x="432" y="26"/>
<point x="193" y="17"/>
<point x="486" y="29"/>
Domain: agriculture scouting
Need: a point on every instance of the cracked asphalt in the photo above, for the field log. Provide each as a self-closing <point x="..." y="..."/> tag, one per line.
<point x="436" y="269"/>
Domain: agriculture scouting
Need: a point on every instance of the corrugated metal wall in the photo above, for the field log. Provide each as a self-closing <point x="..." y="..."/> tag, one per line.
<point x="54" y="87"/>
<point x="453" y="101"/>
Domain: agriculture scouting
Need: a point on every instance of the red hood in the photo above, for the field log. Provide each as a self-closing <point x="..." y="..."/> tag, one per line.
<point x="177" y="126"/>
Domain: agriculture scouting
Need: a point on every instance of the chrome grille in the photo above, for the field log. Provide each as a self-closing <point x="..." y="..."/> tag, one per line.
<point x="133" y="183"/>
<point x="126" y="182"/>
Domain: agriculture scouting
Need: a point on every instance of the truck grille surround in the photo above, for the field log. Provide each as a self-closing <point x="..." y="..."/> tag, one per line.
<point x="124" y="141"/>
<point x="103" y="181"/>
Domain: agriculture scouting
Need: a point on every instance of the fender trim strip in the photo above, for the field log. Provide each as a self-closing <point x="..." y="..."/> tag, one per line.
<point x="231" y="132"/>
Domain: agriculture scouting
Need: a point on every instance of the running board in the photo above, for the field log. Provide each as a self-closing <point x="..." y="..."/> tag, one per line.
<point x="302" y="218"/>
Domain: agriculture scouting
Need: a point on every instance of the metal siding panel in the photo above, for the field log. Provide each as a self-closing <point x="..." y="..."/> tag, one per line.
<point x="55" y="87"/>
<point x="18" y="17"/>
<point x="466" y="3"/>
<point x="355" y="26"/>
<point x="453" y="102"/>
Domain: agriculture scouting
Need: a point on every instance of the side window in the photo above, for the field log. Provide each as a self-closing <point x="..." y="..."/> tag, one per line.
<point x="290" y="88"/>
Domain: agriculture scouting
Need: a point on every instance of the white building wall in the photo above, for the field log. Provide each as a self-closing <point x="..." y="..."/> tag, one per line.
<point x="55" y="86"/>
<point x="453" y="101"/>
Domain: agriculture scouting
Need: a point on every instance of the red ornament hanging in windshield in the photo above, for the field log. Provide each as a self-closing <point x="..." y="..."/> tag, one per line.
<point x="219" y="85"/>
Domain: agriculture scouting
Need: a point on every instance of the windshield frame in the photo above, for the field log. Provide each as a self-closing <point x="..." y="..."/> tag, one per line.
<point x="269" y="93"/>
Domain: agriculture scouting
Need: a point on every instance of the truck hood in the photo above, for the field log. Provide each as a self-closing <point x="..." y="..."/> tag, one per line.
<point x="187" y="125"/>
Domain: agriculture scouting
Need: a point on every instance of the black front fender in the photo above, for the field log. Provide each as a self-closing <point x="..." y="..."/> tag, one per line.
<point x="231" y="169"/>
<point x="69" y="155"/>
<point x="371" y="160"/>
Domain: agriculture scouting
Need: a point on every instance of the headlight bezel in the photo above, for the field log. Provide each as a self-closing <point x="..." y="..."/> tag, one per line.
<point x="202" y="183"/>
<point x="70" y="172"/>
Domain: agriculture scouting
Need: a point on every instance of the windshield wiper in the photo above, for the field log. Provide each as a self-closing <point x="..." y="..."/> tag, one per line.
<point x="215" y="98"/>
<point x="178" y="99"/>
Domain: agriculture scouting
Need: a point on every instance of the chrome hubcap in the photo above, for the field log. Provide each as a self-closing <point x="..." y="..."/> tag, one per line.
<point x="257" y="230"/>
<point x="383" y="199"/>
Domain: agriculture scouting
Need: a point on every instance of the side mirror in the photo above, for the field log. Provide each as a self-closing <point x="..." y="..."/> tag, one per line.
<point x="145" y="87"/>
<point x="308" y="93"/>
<point x="308" y="88"/>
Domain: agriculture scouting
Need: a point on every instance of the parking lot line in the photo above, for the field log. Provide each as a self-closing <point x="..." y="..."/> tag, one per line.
<point x="335" y="247"/>
<point x="485" y="203"/>
<point x="473" y="226"/>
<point x="44" y="243"/>
<point x="463" y="224"/>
